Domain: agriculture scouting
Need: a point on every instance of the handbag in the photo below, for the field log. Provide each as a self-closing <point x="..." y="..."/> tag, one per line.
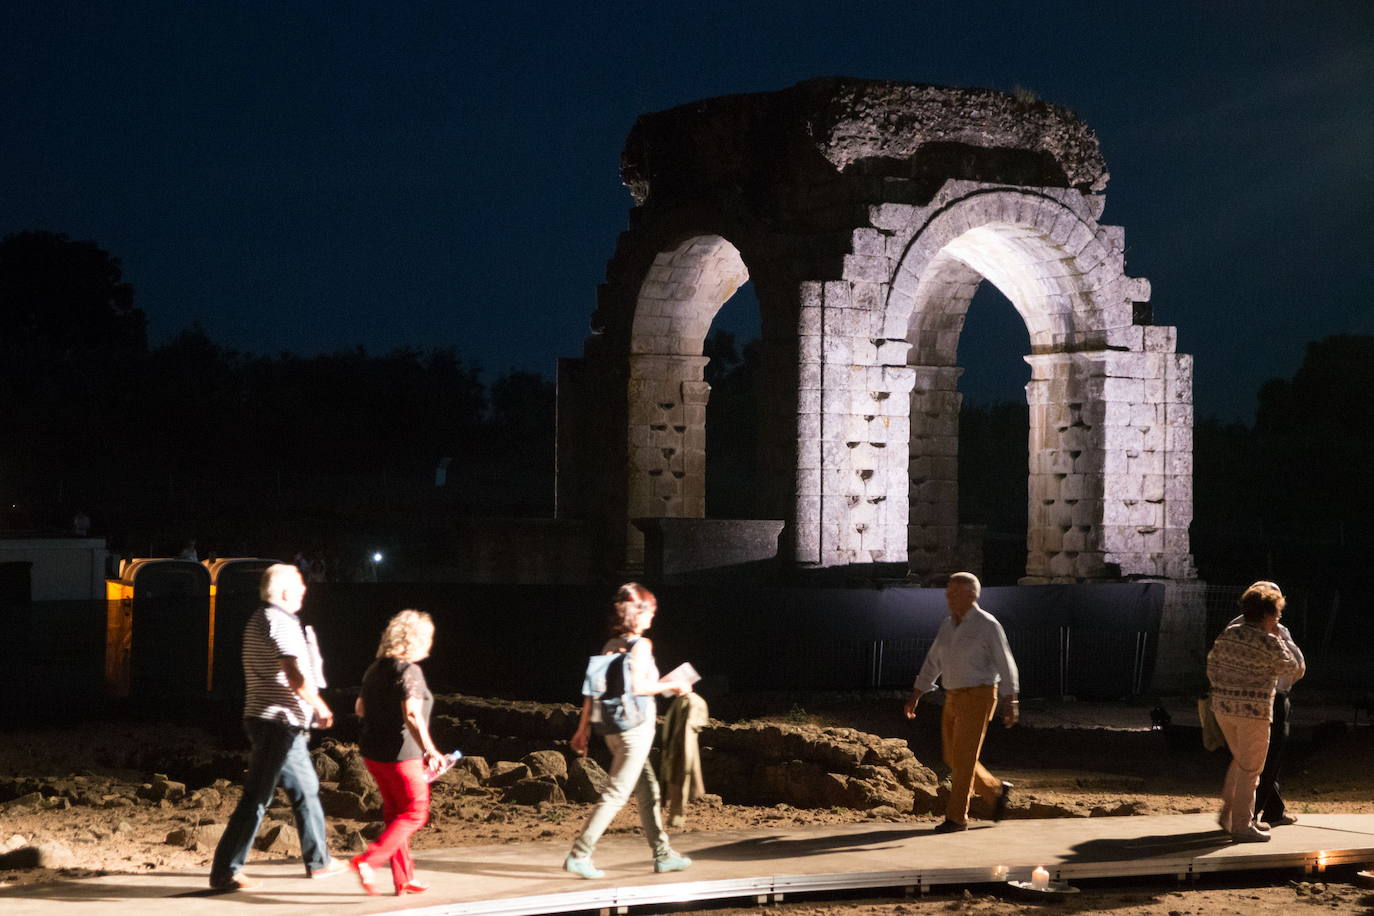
<point x="1213" y="739"/>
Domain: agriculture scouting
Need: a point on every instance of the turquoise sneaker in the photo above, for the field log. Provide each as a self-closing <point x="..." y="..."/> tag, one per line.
<point x="671" y="862"/>
<point x="584" y="868"/>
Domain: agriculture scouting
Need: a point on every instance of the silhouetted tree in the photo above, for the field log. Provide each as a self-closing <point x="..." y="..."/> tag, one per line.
<point x="1313" y="436"/>
<point x="69" y="340"/>
<point x="522" y="412"/>
<point x="60" y="296"/>
<point x="1232" y="530"/>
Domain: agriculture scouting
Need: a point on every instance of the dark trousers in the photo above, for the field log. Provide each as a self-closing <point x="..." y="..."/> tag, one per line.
<point x="1268" y="801"/>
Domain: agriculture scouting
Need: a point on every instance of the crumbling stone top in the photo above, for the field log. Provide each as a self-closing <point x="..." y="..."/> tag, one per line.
<point x="847" y="126"/>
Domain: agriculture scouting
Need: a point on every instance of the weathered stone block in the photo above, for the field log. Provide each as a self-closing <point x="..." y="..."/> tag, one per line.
<point x="535" y="791"/>
<point x="586" y="780"/>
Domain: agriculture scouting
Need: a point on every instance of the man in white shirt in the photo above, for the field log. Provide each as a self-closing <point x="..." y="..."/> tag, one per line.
<point x="971" y="659"/>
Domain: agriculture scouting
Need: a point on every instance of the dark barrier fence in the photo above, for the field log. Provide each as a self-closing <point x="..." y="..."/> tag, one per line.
<point x="531" y="642"/>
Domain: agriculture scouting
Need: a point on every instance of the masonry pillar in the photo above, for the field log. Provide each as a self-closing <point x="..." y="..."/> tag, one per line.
<point x="1065" y="483"/>
<point x="667" y="443"/>
<point x="933" y="469"/>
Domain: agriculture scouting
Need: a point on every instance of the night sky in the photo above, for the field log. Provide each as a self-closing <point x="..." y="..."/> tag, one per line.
<point x="313" y="176"/>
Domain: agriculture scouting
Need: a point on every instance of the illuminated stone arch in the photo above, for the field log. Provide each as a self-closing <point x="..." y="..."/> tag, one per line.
<point x="644" y="373"/>
<point x="866" y="214"/>
<point x="1110" y="481"/>
<point x="667" y="393"/>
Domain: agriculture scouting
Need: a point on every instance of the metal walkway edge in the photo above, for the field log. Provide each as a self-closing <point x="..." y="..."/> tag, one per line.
<point x="756" y="865"/>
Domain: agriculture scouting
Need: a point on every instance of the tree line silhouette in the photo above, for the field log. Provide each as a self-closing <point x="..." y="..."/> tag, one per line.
<point x="190" y="438"/>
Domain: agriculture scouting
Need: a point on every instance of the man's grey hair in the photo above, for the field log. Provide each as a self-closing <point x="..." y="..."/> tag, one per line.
<point x="275" y="578"/>
<point x="968" y="579"/>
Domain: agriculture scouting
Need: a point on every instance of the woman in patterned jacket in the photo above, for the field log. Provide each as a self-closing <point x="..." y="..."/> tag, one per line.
<point x="1243" y="667"/>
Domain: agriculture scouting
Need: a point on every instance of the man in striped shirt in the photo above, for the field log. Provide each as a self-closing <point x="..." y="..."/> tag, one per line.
<point x="973" y="662"/>
<point x="282" y="674"/>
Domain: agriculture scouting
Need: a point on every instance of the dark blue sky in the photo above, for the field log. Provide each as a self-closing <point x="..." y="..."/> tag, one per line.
<point x="312" y="176"/>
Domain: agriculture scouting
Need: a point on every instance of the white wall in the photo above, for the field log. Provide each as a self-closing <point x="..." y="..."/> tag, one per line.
<point x="64" y="569"/>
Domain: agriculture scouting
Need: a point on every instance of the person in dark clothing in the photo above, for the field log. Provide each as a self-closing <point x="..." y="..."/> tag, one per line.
<point x="395" y="704"/>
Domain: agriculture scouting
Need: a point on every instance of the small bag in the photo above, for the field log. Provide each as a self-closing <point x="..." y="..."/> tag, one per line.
<point x="1213" y="739"/>
<point x="609" y="681"/>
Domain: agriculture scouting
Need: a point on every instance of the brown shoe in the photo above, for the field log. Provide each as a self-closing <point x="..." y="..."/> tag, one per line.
<point x="335" y="867"/>
<point x="236" y="882"/>
<point x="948" y="826"/>
<point x="999" y="808"/>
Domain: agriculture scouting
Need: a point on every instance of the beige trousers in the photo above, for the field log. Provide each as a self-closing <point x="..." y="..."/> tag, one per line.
<point x="963" y="726"/>
<point x="1248" y="741"/>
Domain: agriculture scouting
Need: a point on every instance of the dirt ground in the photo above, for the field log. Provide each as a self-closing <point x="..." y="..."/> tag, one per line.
<point x="125" y="820"/>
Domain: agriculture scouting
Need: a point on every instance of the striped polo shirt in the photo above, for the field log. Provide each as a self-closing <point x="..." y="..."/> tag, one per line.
<point x="272" y="634"/>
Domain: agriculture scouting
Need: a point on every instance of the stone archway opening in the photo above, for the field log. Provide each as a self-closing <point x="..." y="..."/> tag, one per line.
<point x="734" y="348"/>
<point x="993" y="430"/>
<point x="681" y="294"/>
<point x="1043" y="285"/>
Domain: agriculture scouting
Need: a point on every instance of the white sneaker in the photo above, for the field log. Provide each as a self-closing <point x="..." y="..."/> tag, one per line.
<point x="1250" y="835"/>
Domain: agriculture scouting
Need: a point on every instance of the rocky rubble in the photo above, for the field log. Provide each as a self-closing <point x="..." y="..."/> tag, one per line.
<point x="745" y="763"/>
<point x="517" y="759"/>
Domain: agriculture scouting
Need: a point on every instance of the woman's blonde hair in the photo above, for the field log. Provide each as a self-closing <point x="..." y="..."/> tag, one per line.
<point x="630" y="601"/>
<point x="406" y="635"/>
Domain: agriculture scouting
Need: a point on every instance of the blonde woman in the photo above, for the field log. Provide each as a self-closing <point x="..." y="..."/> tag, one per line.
<point x="395" y="704"/>
<point x="633" y="613"/>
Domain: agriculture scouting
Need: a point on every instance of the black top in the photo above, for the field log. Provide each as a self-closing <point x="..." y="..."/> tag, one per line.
<point x="386" y="685"/>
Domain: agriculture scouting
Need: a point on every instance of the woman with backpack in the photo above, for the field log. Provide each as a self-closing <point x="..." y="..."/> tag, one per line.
<point x="618" y="699"/>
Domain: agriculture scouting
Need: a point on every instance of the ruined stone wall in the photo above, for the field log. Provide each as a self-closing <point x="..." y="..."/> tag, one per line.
<point x="868" y="213"/>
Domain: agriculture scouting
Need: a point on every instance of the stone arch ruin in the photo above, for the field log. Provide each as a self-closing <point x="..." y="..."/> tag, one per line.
<point x="866" y="214"/>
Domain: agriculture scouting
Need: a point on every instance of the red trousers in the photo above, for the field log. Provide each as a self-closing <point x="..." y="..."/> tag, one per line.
<point x="405" y="809"/>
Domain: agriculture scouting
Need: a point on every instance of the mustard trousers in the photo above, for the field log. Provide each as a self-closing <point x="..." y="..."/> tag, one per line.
<point x="963" y="726"/>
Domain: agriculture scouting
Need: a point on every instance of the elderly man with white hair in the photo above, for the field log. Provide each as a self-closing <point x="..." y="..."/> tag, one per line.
<point x="971" y="659"/>
<point x="283" y="674"/>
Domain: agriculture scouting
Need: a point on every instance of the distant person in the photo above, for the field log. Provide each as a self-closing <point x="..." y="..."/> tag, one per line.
<point x="81" y="523"/>
<point x="1244" y="667"/>
<point x="1270" y="810"/>
<point x="188" y="552"/>
<point x="971" y="659"/>
<point x="633" y="613"/>
<point x="395" y="704"/>
<point x="282" y="675"/>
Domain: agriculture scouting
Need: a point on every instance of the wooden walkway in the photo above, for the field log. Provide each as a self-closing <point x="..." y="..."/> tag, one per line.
<point x="755" y="865"/>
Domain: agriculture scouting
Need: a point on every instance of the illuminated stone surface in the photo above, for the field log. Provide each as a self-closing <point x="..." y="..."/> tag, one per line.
<point x="866" y="214"/>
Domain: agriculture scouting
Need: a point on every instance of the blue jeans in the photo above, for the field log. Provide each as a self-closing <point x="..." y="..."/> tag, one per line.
<point x="279" y="755"/>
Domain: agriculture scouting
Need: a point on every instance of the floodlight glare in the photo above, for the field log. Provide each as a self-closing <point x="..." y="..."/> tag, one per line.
<point x="376" y="558"/>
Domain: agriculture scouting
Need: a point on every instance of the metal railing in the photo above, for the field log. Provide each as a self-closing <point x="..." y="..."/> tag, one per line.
<point x="1056" y="661"/>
